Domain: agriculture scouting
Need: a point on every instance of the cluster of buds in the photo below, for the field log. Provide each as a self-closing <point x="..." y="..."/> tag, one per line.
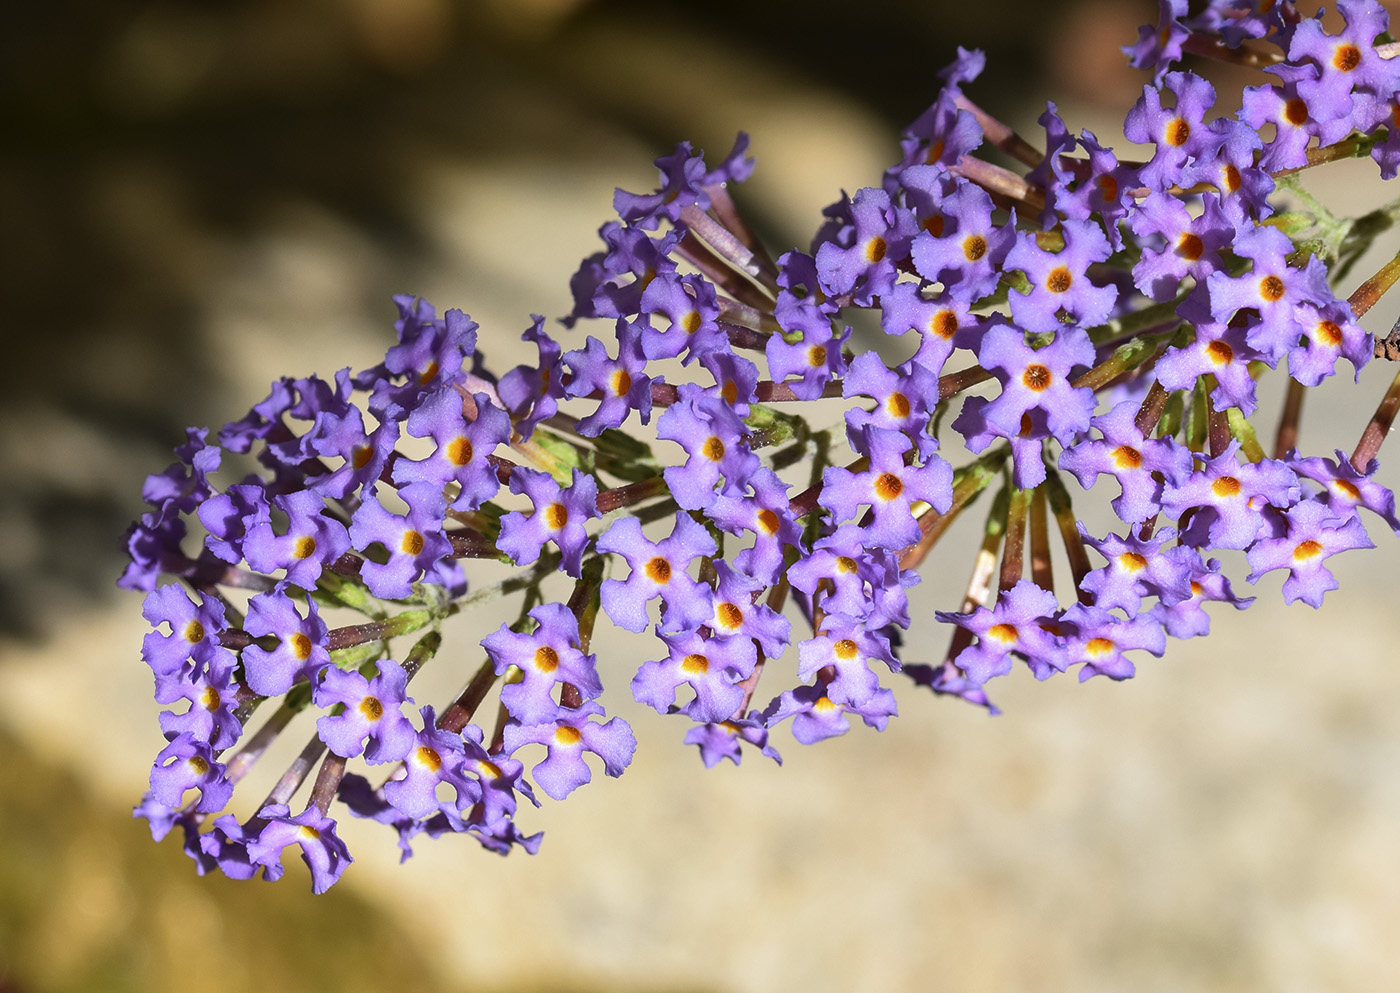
<point x="1112" y="318"/>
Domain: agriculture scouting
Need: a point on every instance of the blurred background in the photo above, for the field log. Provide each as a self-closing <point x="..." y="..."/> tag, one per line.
<point x="199" y="197"/>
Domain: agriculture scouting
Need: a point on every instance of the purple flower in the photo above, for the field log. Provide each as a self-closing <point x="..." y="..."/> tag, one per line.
<point x="1344" y="489"/>
<point x="546" y="657"/>
<point x="845" y="575"/>
<point x="862" y="260"/>
<point x="1313" y="533"/>
<point x="690" y="309"/>
<point x="621" y="383"/>
<point x="721" y="741"/>
<point x="1347" y="62"/>
<point x="1220" y="350"/>
<point x="966" y="256"/>
<point x="942" y="324"/>
<point x="841" y="652"/>
<point x="194" y="630"/>
<point x="767" y="514"/>
<point x="1016" y="623"/>
<point x="227" y="517"/>
<point x="321" y="848"/>
<point x="814" y="358"/>
<point x="658" y="569"/>
<point x="889" y="487"/>
<point x="1229" y="499"/>
<point x="1179" y="134"/>
<point x="1329" y="334"/>
<point x="1293" y="121"/>
<point x="187" y="763"/>
<point x="213" y="698"/>
<point x="1138" y="567"/>
<point x="1100" y="638"/>
<point x="737" y="613"/>
<point x="436" y="757"/>
<point x="1027" y="441"/>
<point x="461" y="449"/>
<point x="904" y="400"/>
<point x="1190" y="245"/>
<point x="532" y="392"/>
<point x="558" y="516"/>
<point x="414" y="542"/>
<point x="1140" y="464"/>
<point x="815" y="716"/>
<point x="311" y="542"/>
<point x="1059" y="281"/>
<point x="712" y="667"/>
<point x="1159" y="48"/>
<point x="371" y="719"/>
<point x="302" y="648"/>
<point x="1187" y="618"/>
<point x="563" y="769"/>
<point x="712" y="435"/>
<point x="430" y="355"/>
<point x="1102" y="188"/>
<point x="1038" y="379"/>
<point x="1273" y="290"/>
<point x="365" y="454"/>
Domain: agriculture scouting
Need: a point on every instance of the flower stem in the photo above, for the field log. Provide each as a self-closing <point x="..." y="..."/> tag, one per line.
<point x="1366" y="295"/>
<point x="1378" y="427"/>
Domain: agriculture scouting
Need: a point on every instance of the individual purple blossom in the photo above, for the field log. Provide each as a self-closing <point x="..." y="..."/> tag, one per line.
<point x="1179" y="133"/>
<point x="845" y="575"/>
<point x="943" y="324"/>
<point x="684" y="178"/>
<point x="461" y="447"/>
<point x="721" y="740"/>
<point x="313" y="832"/>
<point x="1137" y="567"/>
<point x="863" y="260"/>
<point x="500" y="777"/>
<point x="532" y="392"/>
<point x="735" y="379"/>
<point x="311" y="541"/>
<point x="1228" y="165"/>
<point x="1027" y="440"/>
<point x="1313" y="533"/>
<point x="226" y="848"/>
<point x="658" y="569"/>
<point x="152" y="544"/>
<point x="194" y="630"/>
<point x="842" y="651"/>
<point x="184" y="485"/>
<point x="1099" y="639"/>
<point x="430" y="355"/>
<point x="1102" y="188"/>
<point x="611" y="284"/>
<point x="559" y="514"/>
<point x="1220" y="350"/>
<point x="212" y="693"/>
<point x="545" y="657"/>
<point x="967" y="256"/>
<point x="1190" y="245"/>
<point x="436" y="757"/>
<point x="889" y="488"/>
<point x="227" y="516"/>
<point x="264" y="419"/>
<point x="622" y="383"/>
<point x="1139" y="464"/>
<point x="1187" y="618"/>
<point x="814" y="358"/>
<point x="1330" y="333"/>
<point x="364" y="453"/>
<point x="1346" y="62"/>
<point x="563" y="769"/>
<point x="371" y="720"/>
<point x="414" y="541"/>
<point x="1272" y="289"/>
<point x="1229" y="499"/>
<point x="816" y="717"/>
<point x="188" y="763"/>
<point x="1294" y="124"/>
<point x="767" y="514"/>
<point x="737" y="613"/>
<point x="1039" y="379"/>
<point x="1059" y="280"/>
<point x="712" y="667"/>
<point x="943" y="133"/>
<point x="1344" y="488"/>
<point x="1013" y="624"/>
<point x="1159" y="48"/>
<point x="904" y="400"/>
<point x="301" y="651"/>
<point x="712" y="435"/>
<point x="690" y="309"/>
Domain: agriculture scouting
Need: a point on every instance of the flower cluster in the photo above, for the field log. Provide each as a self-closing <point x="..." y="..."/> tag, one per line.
<point x="1103" y="317"/>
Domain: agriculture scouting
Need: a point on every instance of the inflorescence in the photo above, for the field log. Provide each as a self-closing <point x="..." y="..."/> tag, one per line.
<point x="1116" y="315"/>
